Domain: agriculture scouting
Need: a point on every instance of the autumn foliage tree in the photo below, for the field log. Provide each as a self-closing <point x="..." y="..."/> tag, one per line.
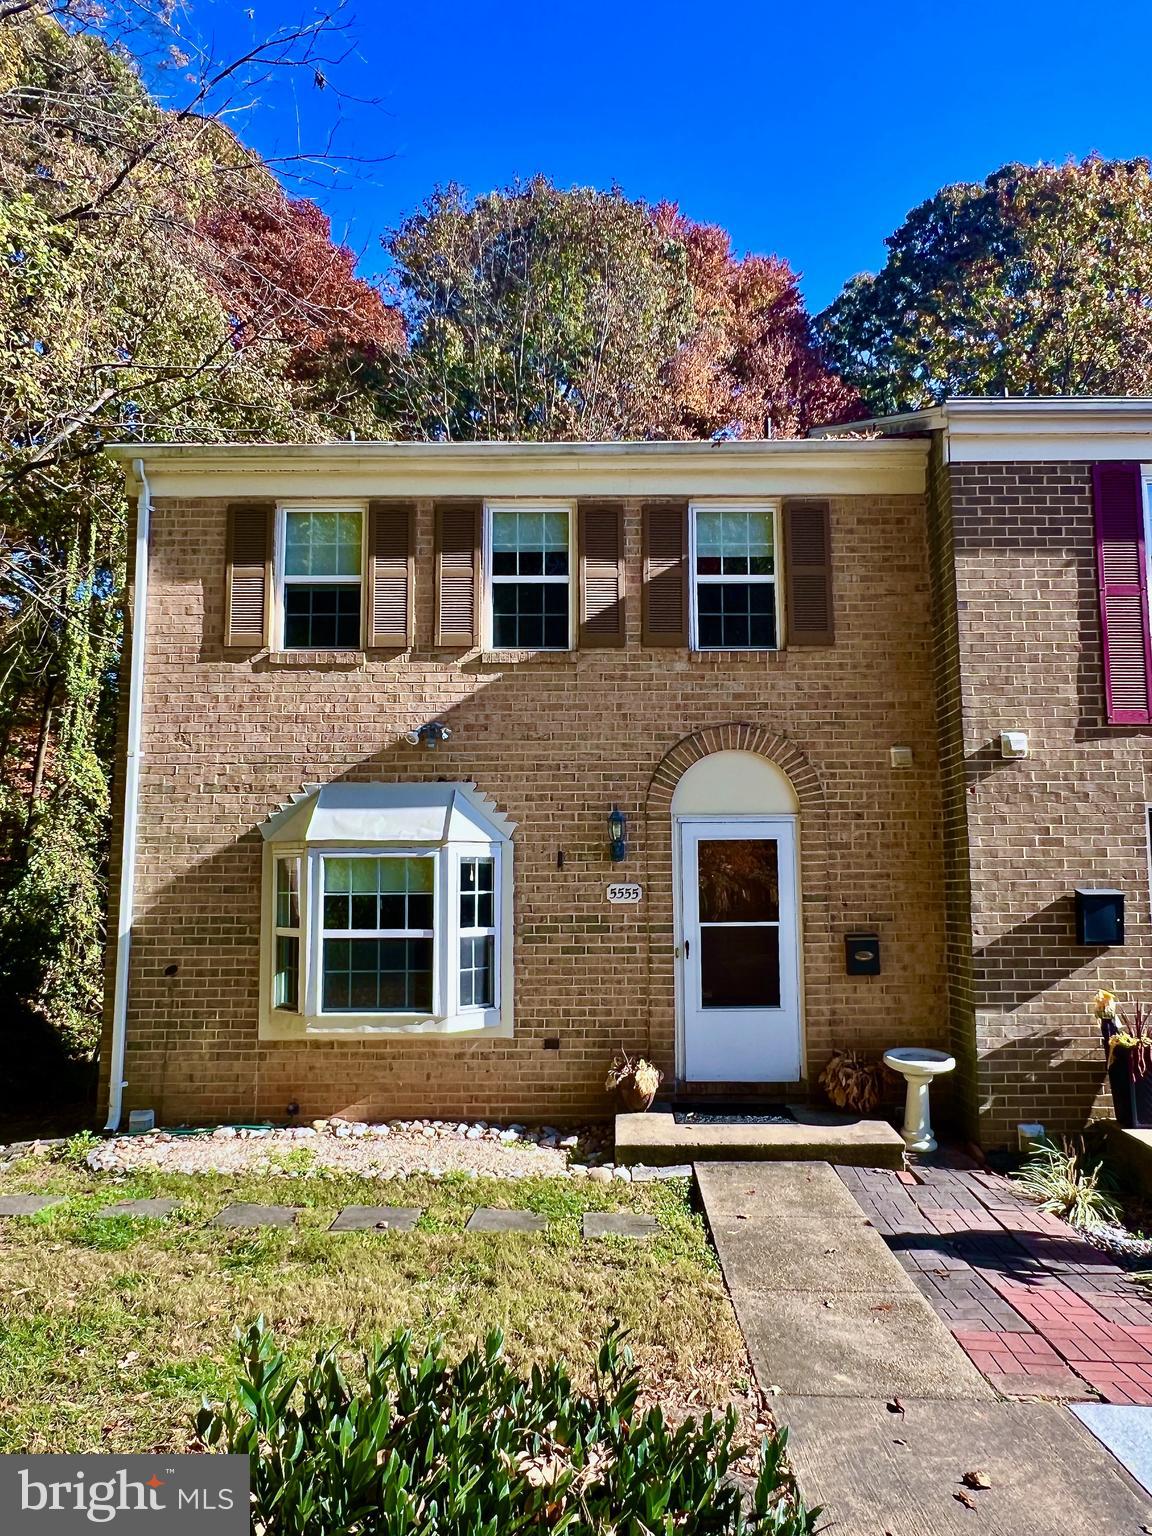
<point x="536" y="312"/>
<point x="1036" y="282"/>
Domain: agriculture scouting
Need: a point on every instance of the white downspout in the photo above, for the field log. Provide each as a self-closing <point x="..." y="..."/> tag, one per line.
<point x="126" y="906"/>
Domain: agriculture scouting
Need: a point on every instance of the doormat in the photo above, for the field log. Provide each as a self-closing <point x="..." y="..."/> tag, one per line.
<point x="767" y="1114"/>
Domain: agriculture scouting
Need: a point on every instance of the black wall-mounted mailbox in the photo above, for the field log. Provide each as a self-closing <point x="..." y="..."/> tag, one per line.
<point x="1099" y="917"/>
<point x="862" y="954"/>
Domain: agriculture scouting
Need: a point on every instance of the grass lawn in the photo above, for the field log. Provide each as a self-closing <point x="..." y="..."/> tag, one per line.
<point x="111" y="1330"/>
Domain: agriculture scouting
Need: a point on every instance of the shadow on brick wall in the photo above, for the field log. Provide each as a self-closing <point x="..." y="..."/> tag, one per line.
<point x="1032" y="957"/>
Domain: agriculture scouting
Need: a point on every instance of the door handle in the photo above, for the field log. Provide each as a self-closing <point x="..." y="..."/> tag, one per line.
<point x="687" y="948"/>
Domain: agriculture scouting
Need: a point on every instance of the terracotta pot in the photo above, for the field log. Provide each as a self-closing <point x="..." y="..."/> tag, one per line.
<point x="632" y="1100"/>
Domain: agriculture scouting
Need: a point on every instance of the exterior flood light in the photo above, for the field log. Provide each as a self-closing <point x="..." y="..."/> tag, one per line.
<point x="618" y="834"/>
<point x="431" y="735"/>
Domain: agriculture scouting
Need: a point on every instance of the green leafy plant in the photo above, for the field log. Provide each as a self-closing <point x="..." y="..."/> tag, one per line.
<point x="293" y="1159"/>
<point x="76" y="1149"/>
<point x="424" y="1447"/>
<point x="1068" y="1182"/>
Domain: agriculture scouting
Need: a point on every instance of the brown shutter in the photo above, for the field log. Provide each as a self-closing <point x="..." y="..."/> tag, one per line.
<point x="808" y="572"/>
<point x="249" y="574"/>
<point x="390" y="525"/>
<point x="1122" y="576"/>
<point x="665" y="573"/>
<point x="458" y="572"/>
<point x="601" y="573"/>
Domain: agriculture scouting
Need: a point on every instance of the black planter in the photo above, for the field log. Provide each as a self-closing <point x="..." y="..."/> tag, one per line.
<point x="1131" y="1095"/>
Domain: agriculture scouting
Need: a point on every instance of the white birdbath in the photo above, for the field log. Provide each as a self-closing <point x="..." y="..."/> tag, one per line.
<point x="918" y="1067"/>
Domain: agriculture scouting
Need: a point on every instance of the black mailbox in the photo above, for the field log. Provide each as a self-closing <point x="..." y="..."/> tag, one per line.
<point x="1099" y="917"/>
<point x="862" y="954"/>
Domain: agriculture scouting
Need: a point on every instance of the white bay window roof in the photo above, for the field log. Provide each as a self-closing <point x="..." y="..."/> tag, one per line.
<point x="416" y="815"/>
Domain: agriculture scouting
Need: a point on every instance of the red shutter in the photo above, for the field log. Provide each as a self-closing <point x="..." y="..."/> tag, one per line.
<point x="1122" y="573"/>
<point x="458" y="572"/>
<point x="390" y="573"/>
<point x="249" y="573"/>
<point x="601" y="573"/>
<point x="665" y="613"/>
<point x="808" y="572"/>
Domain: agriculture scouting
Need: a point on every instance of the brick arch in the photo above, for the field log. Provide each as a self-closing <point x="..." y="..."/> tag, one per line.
<point x="738" y="736"/>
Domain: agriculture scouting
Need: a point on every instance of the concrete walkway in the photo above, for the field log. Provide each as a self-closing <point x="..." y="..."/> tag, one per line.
<point x="886" y="1412"/>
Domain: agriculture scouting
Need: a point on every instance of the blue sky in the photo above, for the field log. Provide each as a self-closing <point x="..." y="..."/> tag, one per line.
<point x="808" y="131"/>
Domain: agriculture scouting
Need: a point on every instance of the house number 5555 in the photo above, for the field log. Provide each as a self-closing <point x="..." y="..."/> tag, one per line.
<point x="625" y="894"/>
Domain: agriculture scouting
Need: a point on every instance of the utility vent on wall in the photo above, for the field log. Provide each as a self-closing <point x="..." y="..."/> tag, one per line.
<point x="901" y="757"/>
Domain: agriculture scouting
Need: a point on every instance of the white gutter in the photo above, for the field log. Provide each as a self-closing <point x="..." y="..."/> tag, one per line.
<point x="127" y="903"/>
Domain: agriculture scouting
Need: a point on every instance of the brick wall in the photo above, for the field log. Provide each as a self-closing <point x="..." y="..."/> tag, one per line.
<point x="1027" y="647"/>
<point x="556" y="740"/>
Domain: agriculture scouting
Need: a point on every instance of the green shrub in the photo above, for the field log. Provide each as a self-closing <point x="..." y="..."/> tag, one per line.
<point x="1068" y="1182"/>
<point x="420" y="1447"/>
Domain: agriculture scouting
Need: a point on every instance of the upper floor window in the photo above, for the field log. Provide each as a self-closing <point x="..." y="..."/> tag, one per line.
<point x="530" y="577"/>
<point x="733" y="577"/>
<point x="321" y="576"/>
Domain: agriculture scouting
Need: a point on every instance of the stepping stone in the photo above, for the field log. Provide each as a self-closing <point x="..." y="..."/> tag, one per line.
<point x="376" y="1218"/>
<point x="26" y="1205"/>
<point x="247" y="1215"/>
<point x="489" y="1220"/>
<point x="618" y="1224"/>
<point x="144" y="1210"/>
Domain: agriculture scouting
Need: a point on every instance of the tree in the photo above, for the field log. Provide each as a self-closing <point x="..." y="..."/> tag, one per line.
<point x="131" y="306"/>
<point x="751" y="366"/>
<point x="1037" y="282"/>
<point x="534" y="313"/>
<point x="541" y="313"/>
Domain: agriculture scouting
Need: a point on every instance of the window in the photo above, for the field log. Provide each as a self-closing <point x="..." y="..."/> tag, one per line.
<point x="530" y="591"/>
<point x="388" y="911"/>
<point x="322" y="557"/>
<point x="377" y="935"/>
<point x="477" y="933"/>
<point x="733" y="578"/>
<point x="286" y="978"/>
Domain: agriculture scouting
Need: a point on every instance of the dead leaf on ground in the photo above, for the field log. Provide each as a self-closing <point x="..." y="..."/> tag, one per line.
<point x="964" y="1498"/>
<point x="977" y="1479"/>
<point x="895" y="1406"/>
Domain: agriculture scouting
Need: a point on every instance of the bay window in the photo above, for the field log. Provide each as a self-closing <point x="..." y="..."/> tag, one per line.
<point x="389" y="913"/>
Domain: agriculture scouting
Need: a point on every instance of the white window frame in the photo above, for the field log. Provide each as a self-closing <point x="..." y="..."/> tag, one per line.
<point x="280" y="580"/>
<point x="281" y="931"/>
<point x="758" y="504"/>
<point x="489" y="580"/>
<point x="462" y="933"/>
<point x="447" y="1015"/>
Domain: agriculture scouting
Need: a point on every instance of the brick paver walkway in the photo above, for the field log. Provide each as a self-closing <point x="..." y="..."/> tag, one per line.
<point x="1038" y="1309"/>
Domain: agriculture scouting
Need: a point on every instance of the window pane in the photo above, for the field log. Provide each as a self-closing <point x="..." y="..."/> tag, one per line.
<point x="476" y="972"/>
<point x="476" y="877"/>
<point x="736" y="615"/>
<point x="322" y="543"/>
<point x="530" y="616"/>
<point x="740" y="967"/>
<point x="377" y="975"/>
<point x="366" y="894"/>
<point x="739" y="880"/>
<point x="321" y="618"/>
<point x="530" y="543"/>
<point x="287" y="893"/>
<point x="734" y="542"/>
<point x="286" y="982"/>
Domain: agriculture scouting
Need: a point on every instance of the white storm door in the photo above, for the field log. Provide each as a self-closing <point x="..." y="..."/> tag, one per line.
<point x="740" y="964"/>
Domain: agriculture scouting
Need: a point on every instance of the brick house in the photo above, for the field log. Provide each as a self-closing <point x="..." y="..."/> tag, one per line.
<point x="386" y="698"/>
<point x="1038" y="529"/>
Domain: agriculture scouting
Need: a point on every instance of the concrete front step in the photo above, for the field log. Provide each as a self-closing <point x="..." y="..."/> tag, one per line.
<point x="656" y="1139"/>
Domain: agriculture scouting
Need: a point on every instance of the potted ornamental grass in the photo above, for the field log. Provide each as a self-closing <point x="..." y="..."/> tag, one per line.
<point x="634" y="1081"/>
<point x="1127" y="1038"/>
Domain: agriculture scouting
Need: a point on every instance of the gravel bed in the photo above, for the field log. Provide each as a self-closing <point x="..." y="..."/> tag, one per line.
<point x="391" y="1150"/>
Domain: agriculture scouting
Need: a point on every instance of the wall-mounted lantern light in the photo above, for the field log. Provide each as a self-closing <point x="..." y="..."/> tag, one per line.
<point x="618" y="834"/>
